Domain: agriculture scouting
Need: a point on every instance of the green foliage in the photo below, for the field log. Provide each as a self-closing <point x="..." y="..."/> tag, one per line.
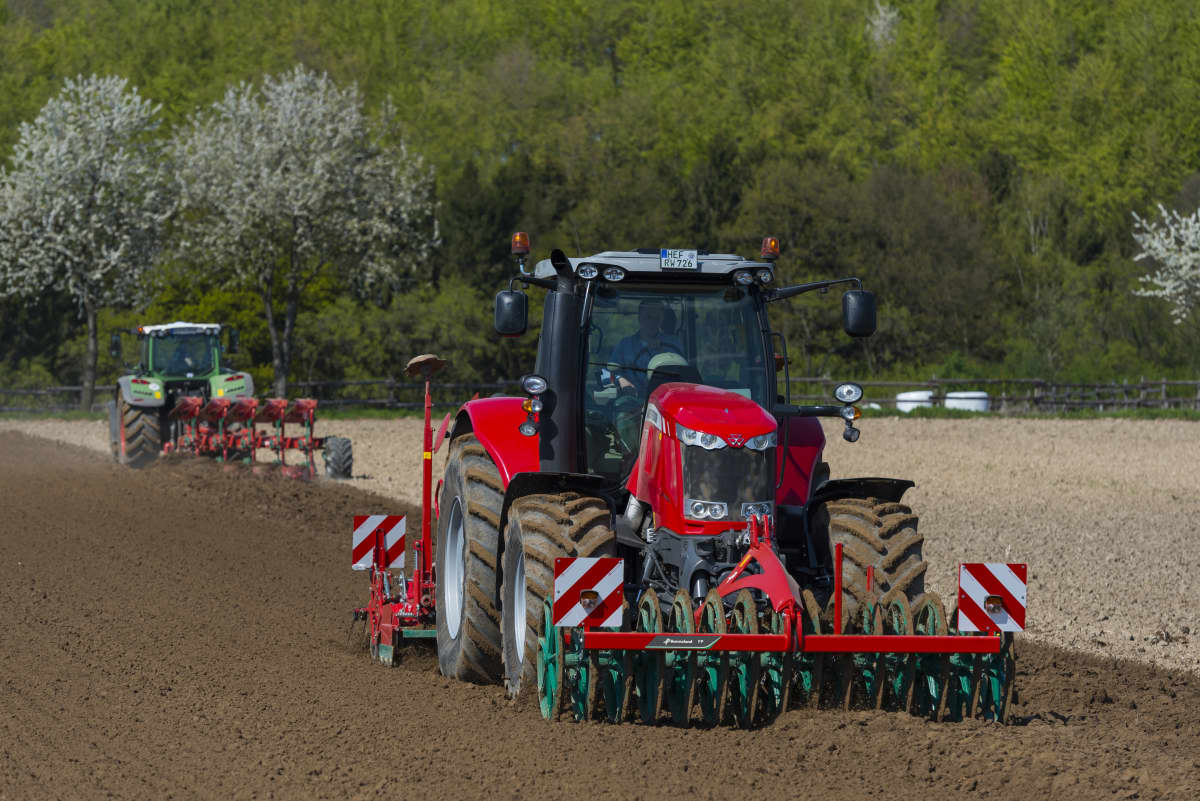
<point x="976" y="167"/>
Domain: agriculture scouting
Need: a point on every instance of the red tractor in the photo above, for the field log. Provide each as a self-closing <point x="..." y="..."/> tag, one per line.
<point x="652" y="530"/>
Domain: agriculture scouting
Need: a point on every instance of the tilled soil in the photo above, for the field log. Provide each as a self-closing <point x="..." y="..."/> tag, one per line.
<point x="181" y="632"/>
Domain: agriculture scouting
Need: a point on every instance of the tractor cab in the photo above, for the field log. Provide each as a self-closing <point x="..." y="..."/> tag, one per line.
<point x="180" y="351"/>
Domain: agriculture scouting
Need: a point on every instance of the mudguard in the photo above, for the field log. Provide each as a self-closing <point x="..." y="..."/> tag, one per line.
<point x="148" y="394"/>
<point x="494" y="422"/>
<point x="885" y="489"/>
<point x="231" y="385"/>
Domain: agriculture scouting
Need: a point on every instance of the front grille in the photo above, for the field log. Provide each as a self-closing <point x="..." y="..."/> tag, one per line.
<point x="732" y="475"/>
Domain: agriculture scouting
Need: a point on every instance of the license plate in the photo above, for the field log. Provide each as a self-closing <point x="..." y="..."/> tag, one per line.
<point x="678" y="259"/>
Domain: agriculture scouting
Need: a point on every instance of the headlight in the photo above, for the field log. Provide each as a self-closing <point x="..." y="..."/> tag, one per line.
<point x="744" y="277"/>
<point x="765" y="276"/>
<point x="709" y="442"/>
<point x="534" y="384"/>
<point x="757" y="508"/>
<point x="761" y="442"/>
<point x="587" y="271"/>
<point x="613" y="273"/>
<point x="705" y="510"/>
<point x="848" y="393"/>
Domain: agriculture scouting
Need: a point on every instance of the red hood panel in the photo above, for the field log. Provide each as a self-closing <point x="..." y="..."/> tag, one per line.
<point x="712" y="410"/>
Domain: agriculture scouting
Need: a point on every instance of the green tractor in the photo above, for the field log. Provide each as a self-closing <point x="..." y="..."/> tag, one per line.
<point x="176" y="361"/>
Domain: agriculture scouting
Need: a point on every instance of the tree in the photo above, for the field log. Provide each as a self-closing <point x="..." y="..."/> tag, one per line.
<point x="83" y="205"/>
<point x="285" y="182"/>
<point x="1173" y="244"/>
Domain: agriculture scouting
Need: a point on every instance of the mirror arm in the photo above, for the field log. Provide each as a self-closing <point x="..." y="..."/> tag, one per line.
<point x="799" y="289"/>
<point x="544" y="283"/>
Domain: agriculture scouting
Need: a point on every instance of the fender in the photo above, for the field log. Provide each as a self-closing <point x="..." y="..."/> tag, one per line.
<point x="142" y="394"/>
<point x="533" y="483"/>
<point x="494" y="422"/>
<point x="800" y="443"/>
<point x="887" y="489"/>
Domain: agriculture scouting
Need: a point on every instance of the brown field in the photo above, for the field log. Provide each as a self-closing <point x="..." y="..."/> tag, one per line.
<point x="180" y="632"/>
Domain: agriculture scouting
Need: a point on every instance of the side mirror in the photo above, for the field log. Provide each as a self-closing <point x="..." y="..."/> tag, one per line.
<point x="858" y="312"/>
<point x="114" y="345"/>
<point x="512" y="313"/>
<point x="235" y="341"/>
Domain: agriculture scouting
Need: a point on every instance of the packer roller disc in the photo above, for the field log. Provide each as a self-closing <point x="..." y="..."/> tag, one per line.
<point x="895" y="672"/>
<point x="929" y="685"/>
<point x="713" y="667"/>
<point x="858" y="677"/>
<point x="745" y="668"/>
<point x="679" y="679"/>
<point x="775" y="684"/>
<point x="809" y="668"/>
<point x="551" y="692"/>
<point x="648" y="666"/>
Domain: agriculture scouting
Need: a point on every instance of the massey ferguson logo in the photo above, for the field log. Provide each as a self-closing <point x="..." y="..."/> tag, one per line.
<point x="690" y="642"/>
<point x="737" y="440"/>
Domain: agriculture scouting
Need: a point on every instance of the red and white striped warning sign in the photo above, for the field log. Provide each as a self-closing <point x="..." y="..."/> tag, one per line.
<point x="391" y="527"/>
<point x="588" y="591"/>
<point x="991" y="596"/>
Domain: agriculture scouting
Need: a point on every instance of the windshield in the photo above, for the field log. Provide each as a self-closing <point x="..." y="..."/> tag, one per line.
<point x="183" y="354"/>
<point x="640" y="337"/>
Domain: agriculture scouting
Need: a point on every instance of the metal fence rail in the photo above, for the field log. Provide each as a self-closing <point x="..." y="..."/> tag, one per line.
<point x="1004" y="394"/>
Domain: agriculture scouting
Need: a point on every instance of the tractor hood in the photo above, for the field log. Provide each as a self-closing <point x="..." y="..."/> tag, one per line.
<point x="709" y="410"/>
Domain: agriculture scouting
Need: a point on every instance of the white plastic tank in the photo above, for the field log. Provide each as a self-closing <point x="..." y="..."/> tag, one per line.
<point x="971" y="400"/>
<point x="907" y="401"/>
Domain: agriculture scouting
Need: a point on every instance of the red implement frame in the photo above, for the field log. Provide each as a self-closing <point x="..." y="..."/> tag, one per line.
<point x="413" y="606"/>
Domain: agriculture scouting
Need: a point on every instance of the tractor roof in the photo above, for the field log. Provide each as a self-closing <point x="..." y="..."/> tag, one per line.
<point x="649" y="262"/>
<point x="179" y="328"/>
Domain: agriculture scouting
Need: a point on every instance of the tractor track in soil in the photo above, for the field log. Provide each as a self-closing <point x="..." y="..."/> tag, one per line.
<point x="181" y="632"/>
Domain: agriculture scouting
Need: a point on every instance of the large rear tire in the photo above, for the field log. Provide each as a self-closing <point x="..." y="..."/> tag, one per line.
<point x="143" y="434"/>
<point x="542" y="528"/>
<point x="882" y="535"/>
<point x="468" y="625"/>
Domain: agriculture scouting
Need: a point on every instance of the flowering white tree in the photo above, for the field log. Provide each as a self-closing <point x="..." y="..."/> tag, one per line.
<point x="280" y="183"/>
<point x="82" y="203"/>
<point x="1173" y="244"/>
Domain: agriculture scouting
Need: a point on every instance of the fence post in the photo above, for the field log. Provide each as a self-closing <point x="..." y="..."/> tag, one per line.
<point x="1163" y="393"/>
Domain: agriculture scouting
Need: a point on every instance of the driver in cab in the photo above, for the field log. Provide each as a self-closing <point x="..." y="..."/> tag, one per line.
<point x="631" y="357"/>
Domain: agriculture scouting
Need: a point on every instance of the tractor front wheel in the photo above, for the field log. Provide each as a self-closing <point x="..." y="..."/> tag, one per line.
<point x="540" y="529"/>
<point x="881" y="535"/>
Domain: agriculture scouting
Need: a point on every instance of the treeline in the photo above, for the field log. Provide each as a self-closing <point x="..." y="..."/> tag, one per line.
<point x="976" y="163"/>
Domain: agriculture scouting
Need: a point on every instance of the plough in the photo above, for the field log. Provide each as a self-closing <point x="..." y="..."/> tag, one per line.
<point x="228" y="429"/>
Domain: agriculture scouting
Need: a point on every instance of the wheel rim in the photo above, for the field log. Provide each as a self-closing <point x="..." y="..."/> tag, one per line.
<point x="680" y="680"/>
<point x="519" y="623"/>
<point x="713" y="668"/>
<point x="454" y="570"/>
